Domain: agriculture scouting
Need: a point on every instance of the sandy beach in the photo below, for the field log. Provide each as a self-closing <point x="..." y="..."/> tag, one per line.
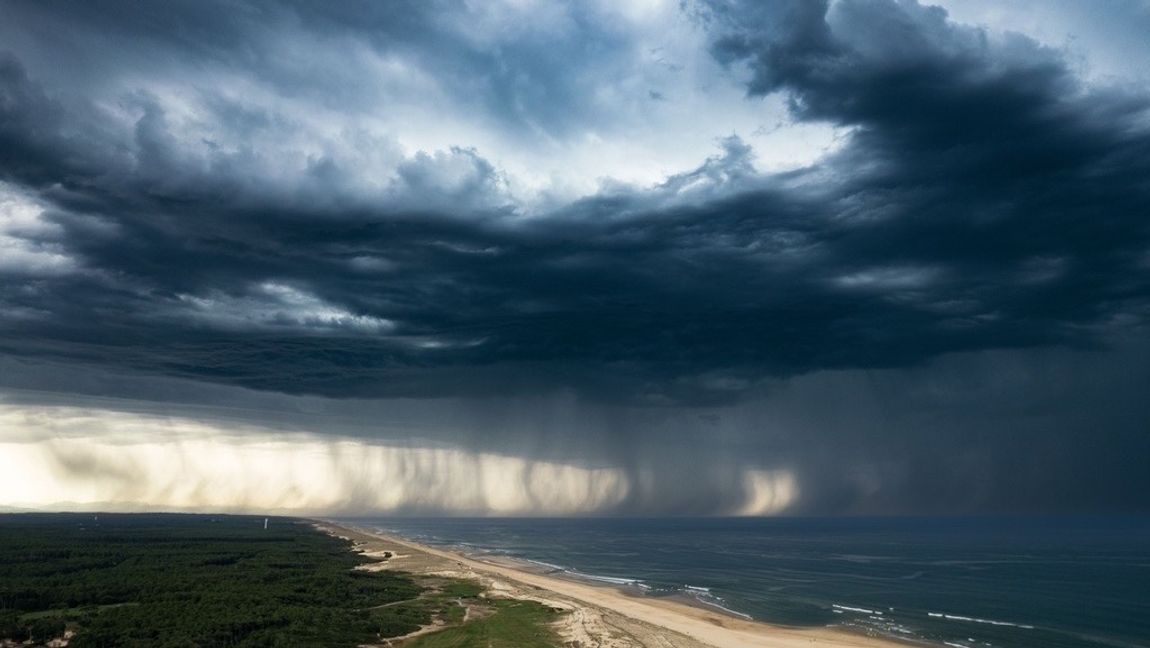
<point x="601" y="616"/>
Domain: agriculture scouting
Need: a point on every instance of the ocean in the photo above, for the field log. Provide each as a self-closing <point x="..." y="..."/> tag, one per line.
<point x="1057" y="582"/>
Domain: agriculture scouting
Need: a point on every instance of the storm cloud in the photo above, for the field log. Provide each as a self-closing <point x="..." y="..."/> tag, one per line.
<point x="406" y="202"/>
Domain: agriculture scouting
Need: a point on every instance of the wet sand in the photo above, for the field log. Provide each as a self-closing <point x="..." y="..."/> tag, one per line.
<point x="601" y="616"/>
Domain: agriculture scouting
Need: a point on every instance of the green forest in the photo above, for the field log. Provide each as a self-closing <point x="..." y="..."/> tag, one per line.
<point x="170" y="580"/>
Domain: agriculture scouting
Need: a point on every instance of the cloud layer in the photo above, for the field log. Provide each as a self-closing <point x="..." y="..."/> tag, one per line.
<point x="984" y="197"/>
<point x="642" y="204"/>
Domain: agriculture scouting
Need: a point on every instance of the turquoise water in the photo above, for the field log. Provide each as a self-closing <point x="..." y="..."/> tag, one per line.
<point x="1056" y="582"/>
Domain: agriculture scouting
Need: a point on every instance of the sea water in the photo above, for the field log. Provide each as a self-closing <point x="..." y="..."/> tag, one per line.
<point x="1045" y="582"/>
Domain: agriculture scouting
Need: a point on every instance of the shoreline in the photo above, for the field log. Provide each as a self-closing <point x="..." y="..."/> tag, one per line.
<point x="625" y="587"/>
<point x="604" y="614"/>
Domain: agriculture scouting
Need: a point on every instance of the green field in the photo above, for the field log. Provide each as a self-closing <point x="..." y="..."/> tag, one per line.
<point x="198" y="580"/>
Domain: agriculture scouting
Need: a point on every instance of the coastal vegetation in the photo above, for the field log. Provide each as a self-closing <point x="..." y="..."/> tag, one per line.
<point x="175" y="581"/>
<point x="511" y="624"/>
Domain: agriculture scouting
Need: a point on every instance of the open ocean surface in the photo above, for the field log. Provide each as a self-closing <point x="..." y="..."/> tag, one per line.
<point x="1029" y="582"/>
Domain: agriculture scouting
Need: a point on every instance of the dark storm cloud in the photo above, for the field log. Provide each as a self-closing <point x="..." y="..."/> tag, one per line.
<point x="984" y="198"/>
<point x="1002" y="431"/>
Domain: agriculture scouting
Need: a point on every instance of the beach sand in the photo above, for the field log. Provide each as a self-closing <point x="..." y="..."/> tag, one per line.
<point x="601" y="616"/>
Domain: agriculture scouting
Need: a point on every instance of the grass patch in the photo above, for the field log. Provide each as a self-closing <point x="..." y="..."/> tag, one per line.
<point x="460" y="588"/>
<point x="512" y="624"/>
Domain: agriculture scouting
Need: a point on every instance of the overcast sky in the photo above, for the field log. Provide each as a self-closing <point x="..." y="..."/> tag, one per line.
<point x="519" y="257"/>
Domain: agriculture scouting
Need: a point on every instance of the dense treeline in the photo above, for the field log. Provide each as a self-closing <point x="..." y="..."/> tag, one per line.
<point x="193" y="580"/>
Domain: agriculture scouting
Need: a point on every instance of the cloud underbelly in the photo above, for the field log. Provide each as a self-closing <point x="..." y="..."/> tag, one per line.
<point x="74" y="458"/>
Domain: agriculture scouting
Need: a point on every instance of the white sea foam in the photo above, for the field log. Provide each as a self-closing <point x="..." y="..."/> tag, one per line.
<point x="545" y="564"/>
<point x="856" y="609"/>
<point x="716" y="602"/>
<point x="605" y="579"/>
<point x="608" y="579"/>
<point x="703" y="595"/>
<point x="955" y="617"/>
<point x="613" y="580"/>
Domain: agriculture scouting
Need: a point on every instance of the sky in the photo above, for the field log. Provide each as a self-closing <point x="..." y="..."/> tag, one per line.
<point x="650" y="257"/>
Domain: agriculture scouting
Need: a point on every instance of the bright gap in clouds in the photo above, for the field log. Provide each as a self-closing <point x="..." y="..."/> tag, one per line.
<point x="659" y="107"/>
<point x="653" y="104"/>
<point x="28" y="243"/>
